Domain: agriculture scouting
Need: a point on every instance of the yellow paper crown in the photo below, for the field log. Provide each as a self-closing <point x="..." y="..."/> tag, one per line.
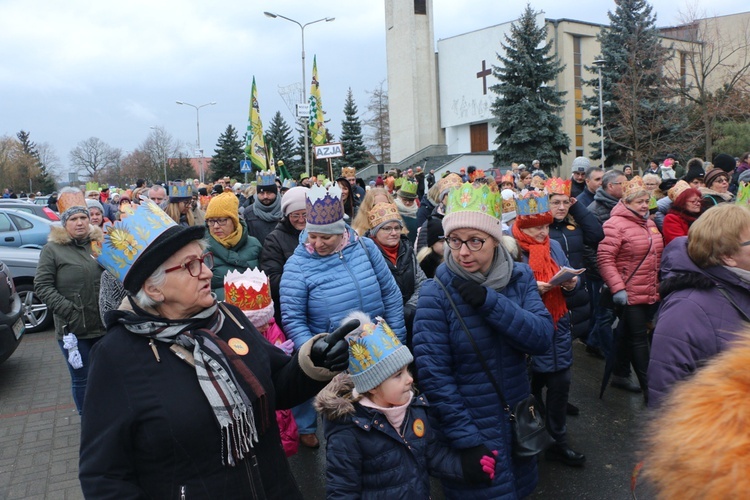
<point x="556" y="185"/>
<point x="382" y="213"/>
<point x="633" y="186"/>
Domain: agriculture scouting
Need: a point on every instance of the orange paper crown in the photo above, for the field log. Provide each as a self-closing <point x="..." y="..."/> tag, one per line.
<point x="556" y="185"/>
<point x="509" y="178"/>
<point x="249" y="290"/>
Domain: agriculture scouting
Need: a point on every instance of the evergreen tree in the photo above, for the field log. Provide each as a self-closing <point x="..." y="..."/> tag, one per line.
<point x="279" y="135"/>
<point x="527" y="108"/>
<point x="641" y="122"/>
<point x="226" y="159"/>
<point x="33" y="167"/>
<point x="352" y="142"/>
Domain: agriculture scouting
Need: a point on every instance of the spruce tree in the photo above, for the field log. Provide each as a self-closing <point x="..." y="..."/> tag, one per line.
<point x="227" y="155"/>
<point x="528" y="107"/>
<point x="352" y="142"/>
<point x="279" y="135"/>
<point x="641" y="121"/>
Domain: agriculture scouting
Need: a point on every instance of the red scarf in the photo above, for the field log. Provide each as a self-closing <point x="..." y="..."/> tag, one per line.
<point x="390" y="252"/>
<point x="544" y="267"/>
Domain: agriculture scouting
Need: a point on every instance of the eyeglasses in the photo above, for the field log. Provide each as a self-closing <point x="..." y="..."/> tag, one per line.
<point x="194" y="266"/>
<point x="745" y="244"/>
<point x="391" y="229"/>
<point x="560" y="203"/>
<point x="473" y="244"/>
<point x="217" y="222"/>
<point x="297" y="217"/>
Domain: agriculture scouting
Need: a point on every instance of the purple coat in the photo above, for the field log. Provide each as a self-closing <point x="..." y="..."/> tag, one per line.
<point x="695" y="321"/>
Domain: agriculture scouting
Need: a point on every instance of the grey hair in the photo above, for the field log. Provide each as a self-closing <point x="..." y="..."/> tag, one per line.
<point x="157" y="279"/>
<point x="610" y="177"/>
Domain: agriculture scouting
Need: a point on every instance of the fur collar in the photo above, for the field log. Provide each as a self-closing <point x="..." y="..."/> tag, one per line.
<point x="336" y="400"/>
<point x="59" y="235"/>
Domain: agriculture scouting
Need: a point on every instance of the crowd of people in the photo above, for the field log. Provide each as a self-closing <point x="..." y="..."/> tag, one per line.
<point x="215" y="326"/>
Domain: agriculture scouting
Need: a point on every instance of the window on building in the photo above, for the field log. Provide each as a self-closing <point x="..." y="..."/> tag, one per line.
<point x="420" y="7"/>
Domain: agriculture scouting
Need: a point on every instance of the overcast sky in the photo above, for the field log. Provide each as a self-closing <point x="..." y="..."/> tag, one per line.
<point x="73" y="69"/>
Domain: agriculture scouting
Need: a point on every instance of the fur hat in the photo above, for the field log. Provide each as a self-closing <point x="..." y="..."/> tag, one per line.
<point x="381" y="214"/>
<point x="293" y="200"/>
<point x="714" y="174"/>
<point x="375" y="354"/>
<point x="224" y="205"/>
<point x="724" y="162"/>
<point x="695" y="170"/>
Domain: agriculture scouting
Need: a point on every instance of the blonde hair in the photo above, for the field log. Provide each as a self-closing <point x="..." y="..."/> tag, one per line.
<point x="715" y="234"/>
<point x="360" y="222"/>
<point x="173" y="210"/>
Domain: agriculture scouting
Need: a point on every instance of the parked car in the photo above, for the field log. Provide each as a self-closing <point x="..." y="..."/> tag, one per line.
<point x="21" y="229"/>
<point x="22" y="263"/>
<point x="31" y="208"/>
<point x="11" y="320"/>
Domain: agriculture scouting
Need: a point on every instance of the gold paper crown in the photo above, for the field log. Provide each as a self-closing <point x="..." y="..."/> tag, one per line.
<point x="381" y="213"/>
<point x="70" y="197"/>
<point x="509" y="201"/>
<point x="248" y="290"/>
<point x="556" y="185"/>
<point x="677" y="189"/>
<point x="633" y="186"/>
<point x="508" y="178"/>
<point x="348" y="172"/>
<point x="450" y="181"/>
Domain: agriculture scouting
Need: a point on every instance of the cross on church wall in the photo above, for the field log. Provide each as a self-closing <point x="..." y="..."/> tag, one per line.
<point x="483" y="75"/>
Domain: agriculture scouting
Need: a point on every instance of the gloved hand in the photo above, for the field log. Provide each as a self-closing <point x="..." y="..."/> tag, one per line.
<point x="70" y="343"/>
<point x="473" y="293"/>
<point x="478" y="464"/>
<point x="332" y="351"/>
<point x="620" y="298"/>
<point x="287" y="346"/>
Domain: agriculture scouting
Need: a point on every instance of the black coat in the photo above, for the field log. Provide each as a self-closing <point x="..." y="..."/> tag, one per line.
<point x="277" y="248"/>
<point x="257" y="227"/>
<point x="574" y="238"/>
<point x="148" y="430"/>
<point x="425" y="209"/>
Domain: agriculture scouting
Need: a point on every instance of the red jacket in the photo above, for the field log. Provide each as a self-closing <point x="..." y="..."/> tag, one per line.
<point x="628" y="238"/>
<point x="673" y="227"/>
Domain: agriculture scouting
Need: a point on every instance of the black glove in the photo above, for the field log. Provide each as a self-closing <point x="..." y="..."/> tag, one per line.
<point x="332" y="351"/>
<point x="473" y="293"/>
<point x="472" y="467"/>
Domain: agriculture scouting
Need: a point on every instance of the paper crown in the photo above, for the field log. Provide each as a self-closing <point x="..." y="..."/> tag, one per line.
<point x="537" y="182"/>
<point x="266" y="178"/>
<point x="127" y="239"/>
<point x="288" y="184"/>
<point x="743" y="193"/>
<point x="475" y="197"/>
<point x="509" y="201"/>
<point x="477" y="174"/>
<point x="324" y="206"/>
<point x="449" y="182"/>
<point x="375" y="355"/>
<point x="348" y="172"/>
<point x="408" y="189"/>
<point x="633" y="187"/>
<point x="180" y="190"/>
<point x="382" y="213"/>
<point x="398" y="182"/>
<point x="70" y="197"/>
<point x="248" y="290"/>
<point x="532" y="203"/>
<point x="556" y="185"/>
<point x="508" y="178"/>
<point x="92" y="186"/>
<point x="677" y="189"/>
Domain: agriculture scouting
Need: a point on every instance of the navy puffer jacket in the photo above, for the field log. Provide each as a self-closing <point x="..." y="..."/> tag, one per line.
<point x="468" y="412"/>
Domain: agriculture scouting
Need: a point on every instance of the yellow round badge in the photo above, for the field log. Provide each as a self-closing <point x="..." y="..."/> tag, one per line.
<point x="654" y="230"/>
<point x="571" y="227"/>
<point x="239" y="346"/>
<point x="418" y="427"/>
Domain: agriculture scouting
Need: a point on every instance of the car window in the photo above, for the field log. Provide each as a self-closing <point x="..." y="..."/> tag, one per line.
<point x="5" y="223"/>
<point x="21" y="223"/>
<point x="21" y="208"/>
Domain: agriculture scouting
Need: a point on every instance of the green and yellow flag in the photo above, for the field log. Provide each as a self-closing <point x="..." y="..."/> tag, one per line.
<point x="255" y="145"/>
<point x="317" y="118"/>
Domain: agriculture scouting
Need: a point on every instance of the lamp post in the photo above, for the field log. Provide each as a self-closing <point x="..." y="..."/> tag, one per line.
<point x="303" y="94"/>
<point x="198" y="128"/>
<point x="599" y="63"/>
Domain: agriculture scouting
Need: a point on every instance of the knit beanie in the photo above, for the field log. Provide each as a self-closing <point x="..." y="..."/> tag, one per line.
<point x="70" y="202"/>
<point x="224" y="205"/>
<point x="375" y="354"/>
<point x="724" y="162"/>
<point x="695" y="170"/>
<point x="94" y="204"/>
<point x="714" y="174"/>
<point x="434" y="230"/>
<point x="580" y="164"/>
<point x="293" y="200"/>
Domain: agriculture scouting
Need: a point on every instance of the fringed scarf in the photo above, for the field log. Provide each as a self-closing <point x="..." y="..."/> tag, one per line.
<point x="227" y="382"/>
<point x="544" y="267"/>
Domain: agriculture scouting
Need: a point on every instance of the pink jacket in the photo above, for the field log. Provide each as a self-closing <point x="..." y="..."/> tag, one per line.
<point x="287" y="425"/>
<point x="627" y="239"/>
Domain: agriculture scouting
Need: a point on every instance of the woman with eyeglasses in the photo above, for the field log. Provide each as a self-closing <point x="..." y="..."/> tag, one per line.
<point x="387" y="231"/>
<point x="685" y="209"/>
<point x="716" y="190"/>
<point x="498" y="301"/>
<point x="183" y="389"/>
<point x="179" y="207"/>
<point x="228" y="240"/>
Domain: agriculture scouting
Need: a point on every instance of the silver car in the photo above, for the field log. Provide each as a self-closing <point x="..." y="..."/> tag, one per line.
<point x="11" y="321"/>
<point x="22" y="263"/>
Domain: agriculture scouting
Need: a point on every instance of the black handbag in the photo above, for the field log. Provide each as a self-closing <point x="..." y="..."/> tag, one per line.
<point x="530" y="436"/>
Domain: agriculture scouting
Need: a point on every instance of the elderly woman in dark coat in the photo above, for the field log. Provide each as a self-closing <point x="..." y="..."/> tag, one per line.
<point x="182" y="390"/>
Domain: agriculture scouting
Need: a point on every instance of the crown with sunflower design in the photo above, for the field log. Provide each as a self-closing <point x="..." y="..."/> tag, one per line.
<point x="325" y="211"/>
<point x="743" y="193"/>
<point x="375" y="354"/>
<point x="556" y="185"/>
<point x="127" y="239"/>
<point x="533" y="210"/>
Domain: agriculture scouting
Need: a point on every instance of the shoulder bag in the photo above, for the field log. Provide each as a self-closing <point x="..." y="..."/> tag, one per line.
<point x="530" y="436"/>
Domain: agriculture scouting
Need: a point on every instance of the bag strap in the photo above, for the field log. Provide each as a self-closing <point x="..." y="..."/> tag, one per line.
<point x="734" y="304"/>
<point x="478" y="352"/>
<point x="645" y="256"/>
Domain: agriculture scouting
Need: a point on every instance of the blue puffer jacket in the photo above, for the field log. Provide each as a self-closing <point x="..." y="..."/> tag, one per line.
<point x="318" y="292"/>
<point x="468" y="412"/>
<point x="560" y="354"/>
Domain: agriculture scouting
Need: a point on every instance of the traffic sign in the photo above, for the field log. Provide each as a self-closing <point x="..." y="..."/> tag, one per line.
<point x="246" y="166"/>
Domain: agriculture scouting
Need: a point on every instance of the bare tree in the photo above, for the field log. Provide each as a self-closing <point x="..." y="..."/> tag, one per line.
<point x="48" y="157"/>
<point x="711" y="71"/>
<point x="94" y="156"/>
<point x="11" y="172"/>
<point x="378" y="138"/>
<point x="160" y="146"/>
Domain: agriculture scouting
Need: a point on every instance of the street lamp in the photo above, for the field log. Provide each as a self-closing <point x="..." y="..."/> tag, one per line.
<point x="198" y="127"/>
<point x="303" y="94"/>
<point x="599" y="63"/>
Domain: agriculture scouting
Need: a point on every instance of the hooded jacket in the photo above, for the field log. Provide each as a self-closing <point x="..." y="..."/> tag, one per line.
<point x="695" y="322"/>
<point x="244" y="255"/>
<point x="318" y="292"/>
<point x="630" y="254"/>
<point x="67" y="280"/>
<point x="366" y="458"/>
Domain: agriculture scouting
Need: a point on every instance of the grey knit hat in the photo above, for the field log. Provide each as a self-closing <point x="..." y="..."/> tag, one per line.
<point x="580" y="164"/>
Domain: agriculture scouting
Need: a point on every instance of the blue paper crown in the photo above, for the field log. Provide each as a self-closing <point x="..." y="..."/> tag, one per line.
<point x="375" y="343"/>
<point x="180" y="190"/>
<point x="266" y="178"/>
<point x="126" y="240"/>
<point x="288" y="183"/>
<point x="532" y="205"/>
<point x="324" y="206"/>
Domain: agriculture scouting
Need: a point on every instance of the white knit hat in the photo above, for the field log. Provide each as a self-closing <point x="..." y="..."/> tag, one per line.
<point x="293" y="200"/>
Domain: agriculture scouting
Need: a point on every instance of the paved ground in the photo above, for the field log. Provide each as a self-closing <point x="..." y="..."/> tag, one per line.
<point x="39" y="434"/>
